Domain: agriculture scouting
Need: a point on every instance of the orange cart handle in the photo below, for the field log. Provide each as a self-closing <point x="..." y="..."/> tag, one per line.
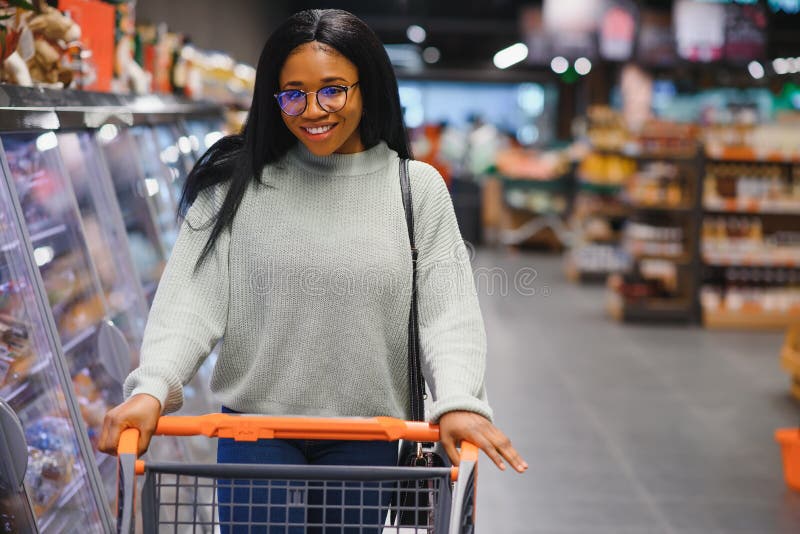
<point x="254" y="427"/>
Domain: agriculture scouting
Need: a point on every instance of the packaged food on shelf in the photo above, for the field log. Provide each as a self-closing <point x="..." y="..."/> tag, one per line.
<point x="751" y="187"/>
<point x="667" y="139"/>
<point x="650" y="240"/>
<point x="742" y="240"/>
<point x="52" y="451"/>
<point x="607" y="129"/>
<point x="773" y="141"/>
<point x="47" y="474"/>
<point x="648" y="281"/>
<point x="91" y="402"/>
<point x="610" y="170"/>
<point x="16" y="353"/>
<point x="40" y="45"/>
<point x="658" y="183"/>
<point x="599" y="258"/>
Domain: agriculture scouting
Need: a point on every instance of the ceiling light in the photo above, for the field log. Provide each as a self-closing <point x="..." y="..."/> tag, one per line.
<point x="43" y="255"/>
<point x="184" y="144"/>
<point x="510" y="56"/>
<point x="559" y="64"/>
<point x="431" y="55"/>
<point x="46" y="141"/>
<point x="583" y="66"/>
<point x="756" y="70"/>
<point x="151" y="184"/>
<point x="107" y="133"/>
<point x="780" y="65"/>
<point x="416" y="34"/>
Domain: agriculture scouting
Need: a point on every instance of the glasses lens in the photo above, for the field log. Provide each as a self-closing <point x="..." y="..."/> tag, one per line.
<point x="332" y="98"/>
<point x="292" y="102"/>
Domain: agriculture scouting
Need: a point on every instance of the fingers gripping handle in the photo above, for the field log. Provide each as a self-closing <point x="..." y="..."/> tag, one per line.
<point x="127" y="450"/>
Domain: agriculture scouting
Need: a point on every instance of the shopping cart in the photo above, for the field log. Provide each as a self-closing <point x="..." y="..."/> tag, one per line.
<point x="288" y="499"/>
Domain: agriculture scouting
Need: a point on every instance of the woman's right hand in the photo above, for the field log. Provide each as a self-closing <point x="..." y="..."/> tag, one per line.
<point x="141" y="412"/>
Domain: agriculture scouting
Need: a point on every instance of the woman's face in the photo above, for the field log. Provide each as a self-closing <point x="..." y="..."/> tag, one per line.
<point x="310" y="67"/>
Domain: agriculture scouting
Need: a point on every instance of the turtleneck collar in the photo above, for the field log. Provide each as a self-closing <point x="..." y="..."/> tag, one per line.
<point x="359" y="163"/>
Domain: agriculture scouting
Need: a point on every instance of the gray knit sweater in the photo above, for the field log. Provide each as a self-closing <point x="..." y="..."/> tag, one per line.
<point x="310" y="290"/>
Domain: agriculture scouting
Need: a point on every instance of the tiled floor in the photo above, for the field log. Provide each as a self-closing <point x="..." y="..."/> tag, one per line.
<point x="627" y="429"/>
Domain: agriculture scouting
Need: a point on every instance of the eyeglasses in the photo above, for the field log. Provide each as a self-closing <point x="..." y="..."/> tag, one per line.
<point x="330" y="98"/>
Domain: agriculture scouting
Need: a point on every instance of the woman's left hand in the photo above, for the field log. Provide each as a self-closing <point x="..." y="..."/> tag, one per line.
<point x="457" y="426"/>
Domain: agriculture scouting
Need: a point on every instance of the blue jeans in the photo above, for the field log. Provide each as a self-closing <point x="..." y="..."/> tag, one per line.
<point x="276" y="502"/>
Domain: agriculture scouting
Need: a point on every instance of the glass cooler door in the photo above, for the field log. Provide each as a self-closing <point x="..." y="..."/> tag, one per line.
<point x="61" y="480"/>
<point x="203" y="133"/>
<point x="77" y="301"/>
<point x="158" y="178"/>
<point x="122" y="157"/>
<point x="105" y="236"/>
<point x="172" y="154"/>
<point x="108" y="246"/>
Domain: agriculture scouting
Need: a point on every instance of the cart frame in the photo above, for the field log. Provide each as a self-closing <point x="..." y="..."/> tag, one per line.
<point x="453" y="511"/>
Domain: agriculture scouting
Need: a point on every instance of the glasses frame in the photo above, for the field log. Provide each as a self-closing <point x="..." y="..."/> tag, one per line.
<point x="345" y="88"/>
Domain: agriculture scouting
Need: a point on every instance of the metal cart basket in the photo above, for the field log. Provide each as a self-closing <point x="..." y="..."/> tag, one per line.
<point x="293" y="499"/>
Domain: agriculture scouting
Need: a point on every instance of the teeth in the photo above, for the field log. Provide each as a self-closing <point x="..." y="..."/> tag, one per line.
<point x="320" y="130"/>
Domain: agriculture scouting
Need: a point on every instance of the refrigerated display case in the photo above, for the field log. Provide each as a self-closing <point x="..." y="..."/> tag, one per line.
<point x="78" y="302"/>
<point x="81" y="163"/>
<point x="61" y="487"/>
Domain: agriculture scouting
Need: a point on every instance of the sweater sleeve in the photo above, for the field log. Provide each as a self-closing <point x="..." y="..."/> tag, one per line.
<point x="190" y="309"/>
<point x="452" y="336"/>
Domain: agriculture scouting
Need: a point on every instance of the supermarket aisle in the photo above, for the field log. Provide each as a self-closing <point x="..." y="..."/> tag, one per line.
<point x="628" y="430"/>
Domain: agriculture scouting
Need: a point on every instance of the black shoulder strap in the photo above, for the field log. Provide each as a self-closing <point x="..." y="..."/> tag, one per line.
<point x="416" y="382"/>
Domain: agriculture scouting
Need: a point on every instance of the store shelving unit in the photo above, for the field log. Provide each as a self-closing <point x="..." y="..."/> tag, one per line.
<point x="790" y="357"/>
<point x="751" y="240"/>
<point x="661" y="234"/>
<point x="598" y="217"/>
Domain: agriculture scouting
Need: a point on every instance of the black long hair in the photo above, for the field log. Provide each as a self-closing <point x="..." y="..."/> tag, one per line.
<point x="239" y="159"/>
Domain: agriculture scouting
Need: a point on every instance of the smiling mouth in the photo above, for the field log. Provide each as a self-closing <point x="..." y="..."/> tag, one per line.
<point x="319" y="130"/>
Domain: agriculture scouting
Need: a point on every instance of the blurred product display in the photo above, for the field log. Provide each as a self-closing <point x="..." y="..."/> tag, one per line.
<point x="536" y="195"/>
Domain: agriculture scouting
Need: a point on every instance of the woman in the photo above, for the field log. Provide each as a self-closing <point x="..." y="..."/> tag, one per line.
<point x="294" y="247"/>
